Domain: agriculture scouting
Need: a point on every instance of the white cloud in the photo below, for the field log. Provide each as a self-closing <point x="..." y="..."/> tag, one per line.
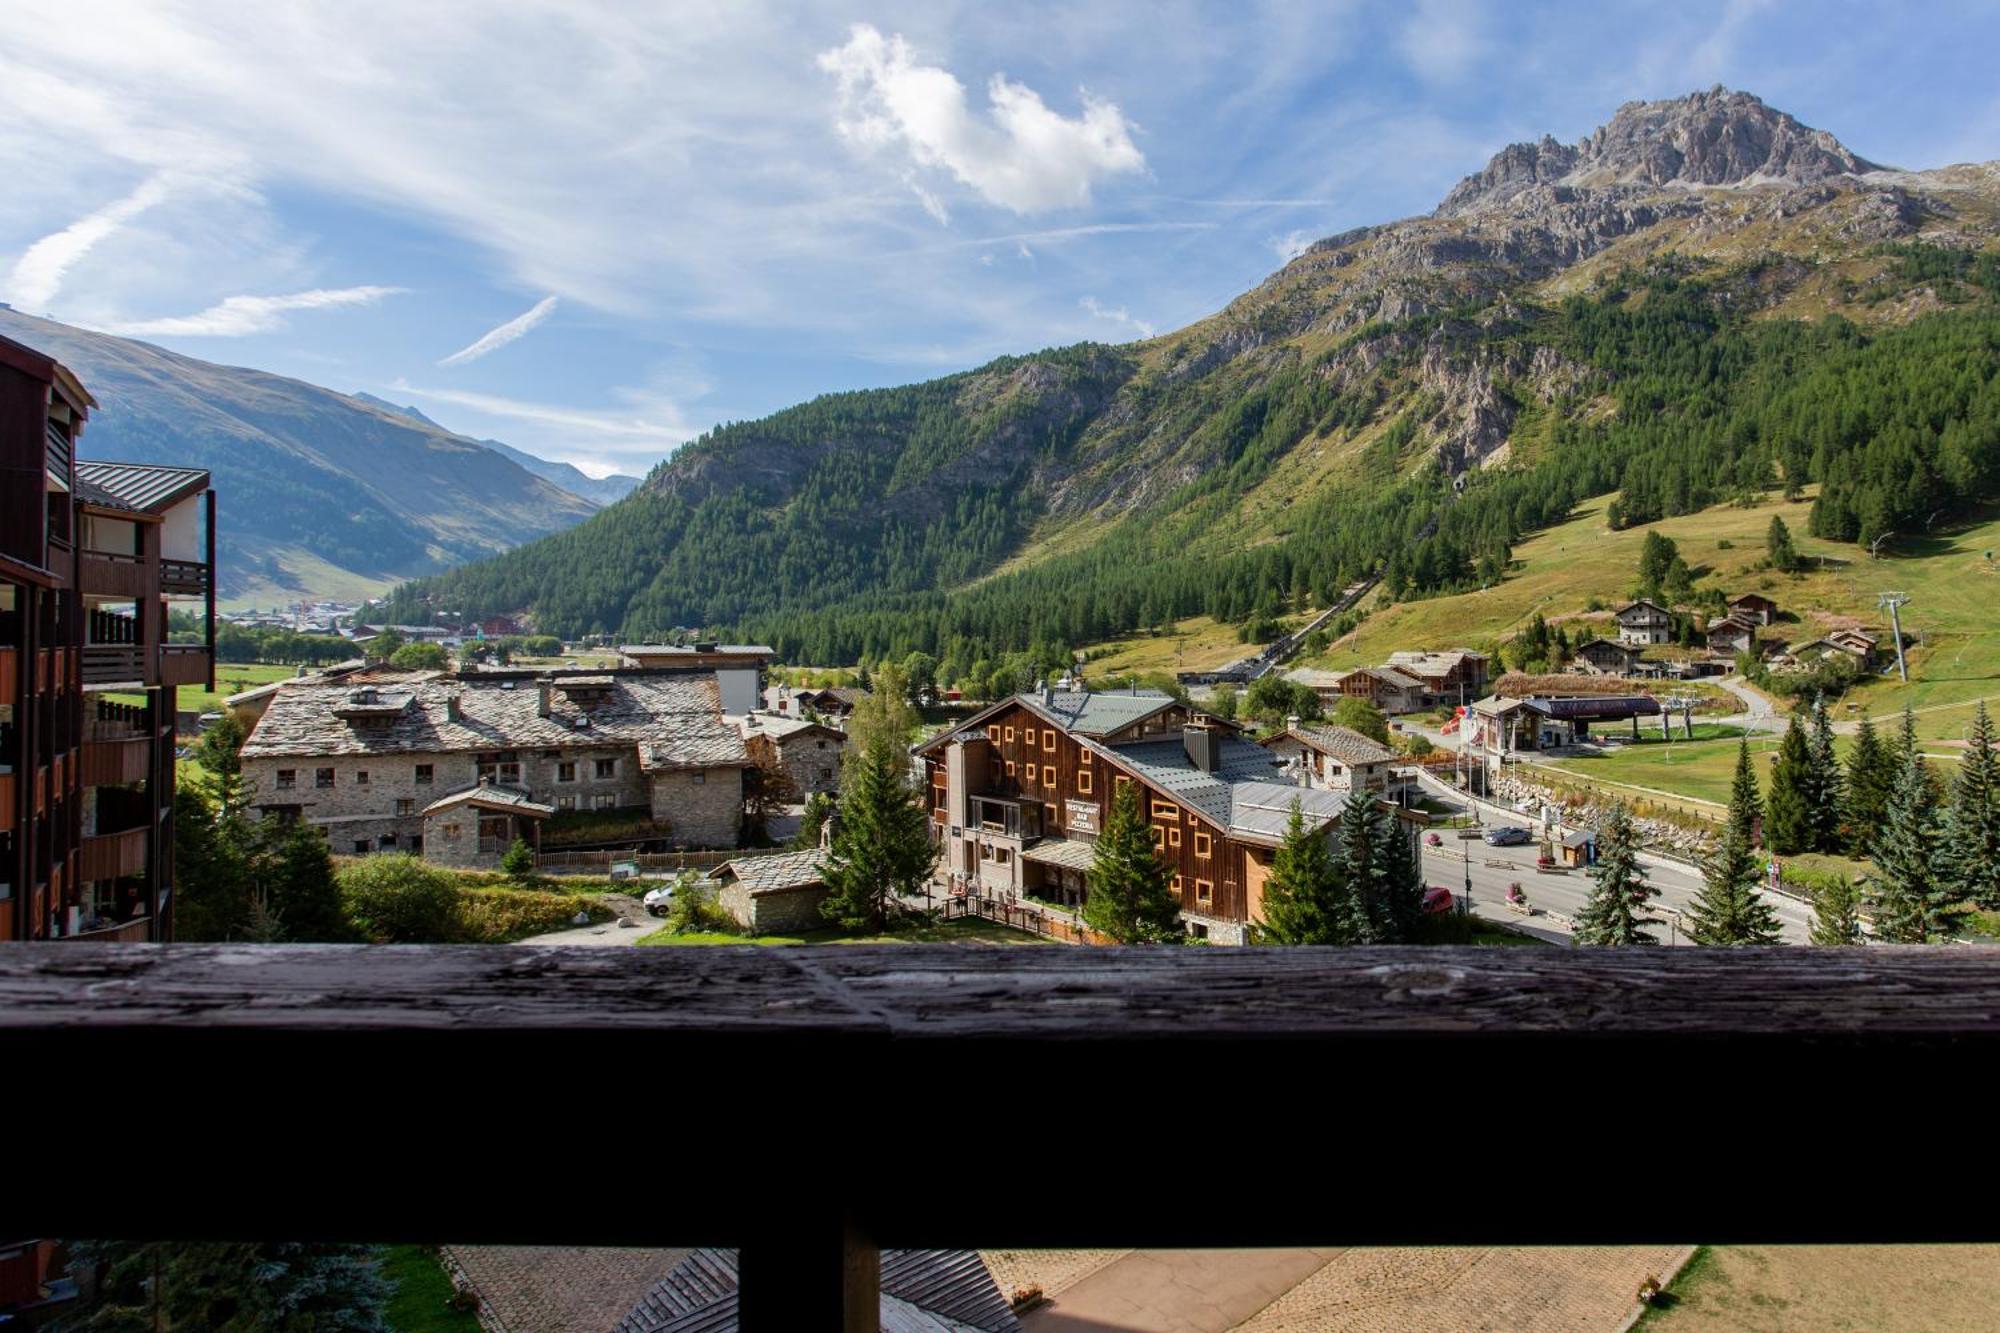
<point x="1021" y="156"/>
<point x="496" y="338"/>
<point x="1117" y="316"/>
<point x="610" y="424"/>
<point x="1443" y="39"/>
<point x="237" y="316"/>
<point x="1292" y="244"/>
<point x="932" y="204"/>
<point x="38" y="273"/>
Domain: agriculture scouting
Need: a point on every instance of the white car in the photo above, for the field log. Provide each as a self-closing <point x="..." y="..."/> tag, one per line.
<point x="658" y="900"/>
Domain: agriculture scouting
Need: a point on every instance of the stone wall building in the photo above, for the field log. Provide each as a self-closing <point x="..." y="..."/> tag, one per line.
<point x="811" y="752"/>
<point x="1337" y="759"/>
<point x="364" y="759"/>
<point x="773" y="894"/>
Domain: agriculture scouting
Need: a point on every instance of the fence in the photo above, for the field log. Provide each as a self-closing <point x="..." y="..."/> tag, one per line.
<point x="1020" y="917"/>
<point x="599" y="862"/>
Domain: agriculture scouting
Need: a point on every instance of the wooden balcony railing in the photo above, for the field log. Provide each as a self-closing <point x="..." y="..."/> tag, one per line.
<point x="113" y="664"/>
<point x="109" y="575"/>
<point x="187" y="578"/>
<point x="109" y="763"/>
<point x="184" y="663"/>
<point x="124" y="932"/>
<point x="113" y="855"/>
<point x="1221" y="1097"/>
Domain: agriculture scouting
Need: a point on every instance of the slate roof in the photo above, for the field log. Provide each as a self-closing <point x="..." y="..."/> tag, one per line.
<point x="1068" y="853"/>
<point x="1395" y="676"/>
<point x="1087" y="714"/>
<point x="1343" y="743"/>
<point x="784" y="726"/>
<point x="493" y="798"/>
<point x="146" y="487"/>
<point x="780" y="873"/>
<point x="673" y="718"/>
<point x="923" y="1291"/>
<point x="1433" y="663"/>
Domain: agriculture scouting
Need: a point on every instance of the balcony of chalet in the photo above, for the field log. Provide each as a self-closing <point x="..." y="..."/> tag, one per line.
<point x="118" y="744"/>
<point x="117" y="833"/>
<point x="1189" y="1059"/>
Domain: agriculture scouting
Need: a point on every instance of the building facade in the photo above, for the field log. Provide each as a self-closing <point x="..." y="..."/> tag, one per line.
<point x="364" y="758"/>
<point x="1019" y="793"/>
<point x="92" y="557"/>
<point x="1644" y="623"/>
<point x="1336" y="759"/>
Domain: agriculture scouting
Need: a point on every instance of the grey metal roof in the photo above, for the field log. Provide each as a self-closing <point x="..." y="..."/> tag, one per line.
<point x="1245" y="795"/>
<point x="1597" y="707"/>
<point x="1088" y="714"/>
<point x="146" y="487"/>
<point x="923" y="1291"/>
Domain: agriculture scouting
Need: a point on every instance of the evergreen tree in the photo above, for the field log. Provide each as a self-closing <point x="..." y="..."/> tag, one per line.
<point x="1788" y="826"/>
<point x="1610" y="916"/>
<point x="881" y="843"/>
<point x="1870" y="776"/>
<point x="518" y="861"/>
<point x="1913" y="893"/>
<point x="226" y="1287"/>
<point x="1836" y="913"/>
<point x="1778" y="542"/>
<point x="1130" y="898"/>
<point x="1972" y="829"/>
<point x="211" y="871"/>
<point x="1826" y="792"/>
<point x="219" y="751"/>
<point x="884" y="713"/>
<point x="292" y="874"/>
<point x="1380" y="872"/>
<point x="1728" y="910"/>
<point x="1306" y="899"/>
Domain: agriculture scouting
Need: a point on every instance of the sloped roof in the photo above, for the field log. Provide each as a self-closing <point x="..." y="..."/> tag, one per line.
<point x="784" y="726"/>
<point x="1343" y="743"/>
<point x="493" y="798"/>
<point x="1097" y="714"/>
<point x="774" y="874"/>
<point x="923" y="1291"/>
<point x="1068" y="853"/>
<point x="675" y="720"/>
<point x="1612" y="645"/>
<point x="149" y="488"/>
<point x="1395" y="676"/>
<point x="1261" y="811"/>
<point x="1642" y="603"/>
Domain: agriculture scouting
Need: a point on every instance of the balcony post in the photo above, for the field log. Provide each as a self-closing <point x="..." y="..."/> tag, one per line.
<point x="208" y="502"/>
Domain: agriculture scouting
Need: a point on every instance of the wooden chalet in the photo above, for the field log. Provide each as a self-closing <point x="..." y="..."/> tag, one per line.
<point x="1754" y="608"/>
<point x="1019" y="794"/>
<point x="92" y="555"/>
<point x="1455" y="675"/>
<point x="1644" y="622"/>
<point x="1602" y="657"/>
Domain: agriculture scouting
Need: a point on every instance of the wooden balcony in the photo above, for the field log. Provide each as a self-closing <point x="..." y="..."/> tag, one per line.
<point x="125" y="932"/>
<point x="113" y="855"/>
<point x="184" y="664"/>
<point x="114" y="664"/>
<point x="184" y="578"/>
<point x="121" y="576"/>
<point x="10" y="672"/>
<point x="7" y="797"/>
<point x="116" y="763"/>
<point x="1444" y="1060"/>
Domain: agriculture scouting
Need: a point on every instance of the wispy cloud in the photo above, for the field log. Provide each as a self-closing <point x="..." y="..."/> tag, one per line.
<point x="237" y="316"/>
<point x="1117" y="316"/>
<point x="1021" y="156"/>
<point x="1292" y="244"/>
<point x="612" y="424"/>
<point x="38" y="273"/>
<point x="1056" y="234"/>
<point x="496" y="338"/>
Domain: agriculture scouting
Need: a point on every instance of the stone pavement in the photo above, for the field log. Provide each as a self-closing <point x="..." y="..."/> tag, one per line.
<point x="1177" y="1291"/>
<point x="555" y="1289"/>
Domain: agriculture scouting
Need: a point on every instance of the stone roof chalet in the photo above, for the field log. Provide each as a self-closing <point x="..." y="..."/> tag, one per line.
<point x="1343" y="743"/>
<point x="486" y="796"/>
<point x="781" y="872"/>
<point x="673" y="719"/>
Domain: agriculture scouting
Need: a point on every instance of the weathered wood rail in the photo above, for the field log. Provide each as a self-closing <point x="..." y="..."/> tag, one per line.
<point x="1191" y="1096"/>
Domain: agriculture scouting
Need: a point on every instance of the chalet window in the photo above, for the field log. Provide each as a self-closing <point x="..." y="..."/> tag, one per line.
<point x="322" y="777"/>
<point x="1028" y="737"/>
<point x="1174" y="837"/>
<point x="1159" y="835"/>
<point x="1010" y="735"/>
<point x="1085" y="760"/>
<point x="604" y="800"/>
<point x="1051" y="817"/>
<point x="1166" y="810"/>
<point x="386" y="841"/>
<point x="1002" y="855"/>
<point x="565" y="802"/>
<point x="360" y="777"/>
<point x="425" y="773"/>
<point x="993" y="733"/>
<point x="1204" y="890"/>
<point x="698" y="779"/>
<point x="606" y="769"/>
<point x="1048" y="775"/>
<point x="1083" y="781"/>
<point x="1049" y="740"/>
<point x="1122" y="782"/>
<point x="1032" y="774"/>
<point x="1203" y="844"/>
<point x="1176" y="886"/>
<point x="566" y="771"/>
<point x="503" y="766"/>
<point x="288" y="778"/>
<point x="361" y="846"/>
<point x="406" y="806"/>
<point x="1012" y="767"/>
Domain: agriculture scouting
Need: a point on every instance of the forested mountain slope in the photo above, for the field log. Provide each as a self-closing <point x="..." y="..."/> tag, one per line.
<point x="317" y="492"/>
<point x="1702" y="299"/>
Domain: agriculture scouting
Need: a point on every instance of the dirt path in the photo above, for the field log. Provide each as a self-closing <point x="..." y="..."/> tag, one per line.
<point x="604" y="933"/>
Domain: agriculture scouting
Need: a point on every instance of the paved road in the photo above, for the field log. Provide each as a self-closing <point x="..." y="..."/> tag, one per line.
<point x="1178" y="1291"/>
<point x="605" y="933"/>
<point x="1758" y="713"/>
<point x="1563" y="894"/>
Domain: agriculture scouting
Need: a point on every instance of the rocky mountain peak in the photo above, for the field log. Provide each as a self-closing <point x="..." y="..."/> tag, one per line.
<point x="1715" y="138"/>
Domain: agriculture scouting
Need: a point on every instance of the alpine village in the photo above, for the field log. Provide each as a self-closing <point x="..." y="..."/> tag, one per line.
<point x="1601" y="561"/>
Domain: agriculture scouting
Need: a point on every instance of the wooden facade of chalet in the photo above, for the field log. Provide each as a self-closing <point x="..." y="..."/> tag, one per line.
<point x="1016" y="774"/>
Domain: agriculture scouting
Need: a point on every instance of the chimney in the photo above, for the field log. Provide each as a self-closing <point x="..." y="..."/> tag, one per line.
<point x="1048" y="695"/>
<point x="1291" y="722"/>
<point x="1204" y="747"/>
<point x="451" y="709"/>
<point x="542" y="697"/>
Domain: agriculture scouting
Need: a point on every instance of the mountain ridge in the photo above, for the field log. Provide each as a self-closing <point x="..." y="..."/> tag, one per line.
<point x="599" y="491"/>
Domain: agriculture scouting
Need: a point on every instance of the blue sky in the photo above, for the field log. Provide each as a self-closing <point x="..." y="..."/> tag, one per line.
<point x="594" y="230"/>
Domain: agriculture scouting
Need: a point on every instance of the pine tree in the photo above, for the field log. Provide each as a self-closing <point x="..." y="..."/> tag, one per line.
<point x="1826" y="791"/>
<point x="1778" y="542"/>
<point x="1915" y="899"/>
<point x="881" y="845"/>
<point x="1728" y="910"/>
<point x="1403" y="884"/>
<point x="1130" y="900"/>
<point x="1306" y="899"/>
<point x="1366" y="864"/>
<point x="1870" y="775"/>
<point x="211" y="871"/>
<point x="220" y="752"/>
<point x="1610" y="915"/>
<point x="1788" y="822"/>
<point x="1836" y="913"/>
<point x="1972" y="829"/>
<point x="293" y="875"/>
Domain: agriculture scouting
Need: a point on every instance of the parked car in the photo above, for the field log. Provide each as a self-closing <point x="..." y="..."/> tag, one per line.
<point x="659" y="900"/>
<point x="1437" y="899"/>
<point x="1508" y="835"/>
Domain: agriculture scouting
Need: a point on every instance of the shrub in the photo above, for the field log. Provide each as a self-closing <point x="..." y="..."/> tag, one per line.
<point x="519" y="863"/>
<point x="394" y="898"/>
<point x="697" y="908"/>
<point x="500" y="916"/>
